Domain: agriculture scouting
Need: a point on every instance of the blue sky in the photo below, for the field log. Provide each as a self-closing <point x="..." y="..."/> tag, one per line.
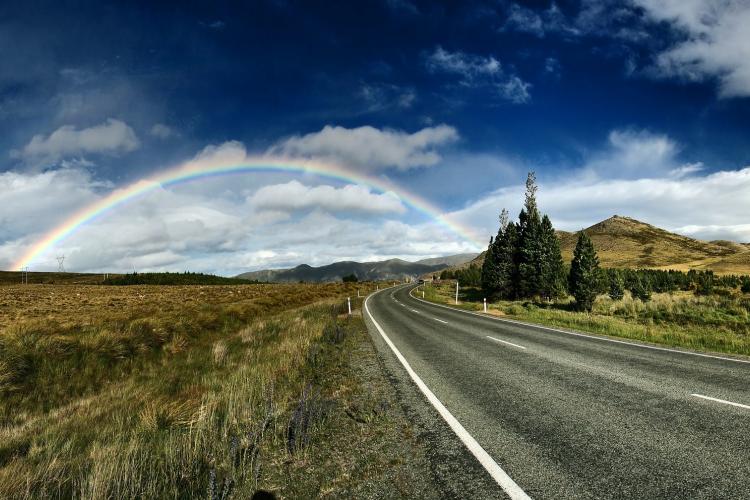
<point x="636" y="107"/>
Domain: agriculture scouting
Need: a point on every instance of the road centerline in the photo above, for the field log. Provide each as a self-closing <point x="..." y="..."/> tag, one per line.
<point x="506" y="342"/>
<point x="722" y="401"/>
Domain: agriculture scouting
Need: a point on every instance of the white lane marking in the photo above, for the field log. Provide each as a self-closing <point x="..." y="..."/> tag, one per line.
<point x="436" y="319"/>
<point x="498" y="474"/>
<point x="506" y="342"/>
<point x="414" y="310"/>
<point x="721" y="401"/>
<point x="604" y="339"/>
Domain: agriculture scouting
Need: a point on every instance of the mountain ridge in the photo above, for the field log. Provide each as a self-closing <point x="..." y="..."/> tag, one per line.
<point x="390" y="269"/>
<point x="625" y="242"/>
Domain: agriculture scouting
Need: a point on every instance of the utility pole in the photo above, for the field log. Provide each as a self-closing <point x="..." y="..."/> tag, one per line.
<point x="456" y="292"/>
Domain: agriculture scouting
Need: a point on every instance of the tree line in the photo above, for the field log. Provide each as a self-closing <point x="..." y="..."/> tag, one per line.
<point x="523" y="261"/>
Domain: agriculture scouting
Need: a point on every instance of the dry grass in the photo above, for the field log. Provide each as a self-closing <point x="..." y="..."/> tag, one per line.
<point x="680" y="319"/>
<point x="119" y="392"/>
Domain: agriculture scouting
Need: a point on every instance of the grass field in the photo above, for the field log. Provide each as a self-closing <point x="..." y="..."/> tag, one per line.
<point x="679" y="319"/>
<point x="192" y="391"/>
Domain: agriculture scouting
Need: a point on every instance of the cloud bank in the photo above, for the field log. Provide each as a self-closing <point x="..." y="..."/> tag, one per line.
<point x="369" y="148"/>
<point x="110" y="137"/>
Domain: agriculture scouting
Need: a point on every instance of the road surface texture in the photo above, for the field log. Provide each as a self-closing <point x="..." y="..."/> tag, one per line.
<point x="532" y="411"/>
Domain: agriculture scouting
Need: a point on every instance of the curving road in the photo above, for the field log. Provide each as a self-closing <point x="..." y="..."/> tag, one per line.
<point x="522" y="411"/>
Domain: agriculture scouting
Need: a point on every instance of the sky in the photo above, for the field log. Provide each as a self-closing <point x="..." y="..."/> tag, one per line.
<point x="638" y="108"/>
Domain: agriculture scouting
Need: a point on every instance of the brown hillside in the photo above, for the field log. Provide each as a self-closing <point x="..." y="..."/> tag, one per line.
<point x="629" y="243"/>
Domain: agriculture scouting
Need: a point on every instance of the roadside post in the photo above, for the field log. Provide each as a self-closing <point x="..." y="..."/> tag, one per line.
<point x="349" y="305"/>
<point x="422" y="292"/>
<point x="456" y="292"/>
<point x="485" y="305"/>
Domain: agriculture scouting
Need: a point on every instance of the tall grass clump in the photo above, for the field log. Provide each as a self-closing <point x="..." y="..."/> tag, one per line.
<point x="165" y="396"/>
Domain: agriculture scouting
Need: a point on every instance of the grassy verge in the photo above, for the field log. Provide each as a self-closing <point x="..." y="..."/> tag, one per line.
<point x="248" y="388"/>
<point x="718" y="324"/>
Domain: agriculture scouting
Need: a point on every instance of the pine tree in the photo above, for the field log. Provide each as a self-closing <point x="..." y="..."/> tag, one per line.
<point x="641" y="288"/>
<point x="616" y="285"/>
<point x="506" y="251"/>
<point x="491" y="273"/>
<point x="489" y="267"/>
<point x="530" y="255"/>
<point x="584" y="270"/>
<point x="552" y="268"/>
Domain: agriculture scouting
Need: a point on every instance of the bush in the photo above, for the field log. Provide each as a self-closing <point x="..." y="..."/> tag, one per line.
<point x="616" y="287"/>
<point x="350" y="278"/>
<point x="641" y="289"/>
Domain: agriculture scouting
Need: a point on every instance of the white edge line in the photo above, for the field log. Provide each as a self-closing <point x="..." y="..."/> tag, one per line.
<point x="721" y="401"/>
<point x="594" y="337"/>
<point x="498" y="474"/>
<point x="442" y="321"/>
<point x="506" y="342"/>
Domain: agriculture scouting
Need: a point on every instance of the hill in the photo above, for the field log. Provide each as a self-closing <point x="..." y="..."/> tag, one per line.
<point x="628" y="243"/>
<point x="392" y="269"/>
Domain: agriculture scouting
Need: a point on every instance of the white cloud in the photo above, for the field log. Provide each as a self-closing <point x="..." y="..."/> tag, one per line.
<point x="479" y="71"/>
<point x="111" y="137"/>
<point x="637" y="175"/>
<point x="224" y="225"/>
<point x="382" y="97"/>
<point x="634" y="153"/>
<point x="294" y="196"/>
<point x="161" y="131"/>
<point x="536" y="22"/>
<point x="714" y="41"/>
<point x="370" y="148"/>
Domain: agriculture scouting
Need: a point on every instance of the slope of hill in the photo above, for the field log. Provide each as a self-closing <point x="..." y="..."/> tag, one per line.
<point x="628" y="243"/>
<point x="393" y="269"/>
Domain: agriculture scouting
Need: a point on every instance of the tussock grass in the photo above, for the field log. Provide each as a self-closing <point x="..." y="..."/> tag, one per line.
<point x="679" y="319"/>
<point x="177" y="392"/>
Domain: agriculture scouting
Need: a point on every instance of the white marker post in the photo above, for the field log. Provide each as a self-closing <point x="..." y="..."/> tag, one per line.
<point x="377" y="288"/>
<point x="456" y="292"/>
<point x="422" y="292"/>
<point x="357" y="292"/>
<point x="485" y="305"/>
<point x="349" y="305"/>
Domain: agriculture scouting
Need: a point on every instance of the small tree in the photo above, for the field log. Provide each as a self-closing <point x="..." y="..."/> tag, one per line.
<point x="641" y="288"/>
<point x="745" y="287"/>
<point x="350" y="278"/>
<point x="584" y="271"/>
<point x="616" y="285"/>
<point x="705" y="283"/>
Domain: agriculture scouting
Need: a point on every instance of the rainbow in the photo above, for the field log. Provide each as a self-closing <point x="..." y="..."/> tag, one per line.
<point x="202" y="169"/>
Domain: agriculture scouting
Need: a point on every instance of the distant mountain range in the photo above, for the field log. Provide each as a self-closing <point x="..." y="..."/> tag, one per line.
<point x="628" y="243"/>
<point x="392" y="269"/>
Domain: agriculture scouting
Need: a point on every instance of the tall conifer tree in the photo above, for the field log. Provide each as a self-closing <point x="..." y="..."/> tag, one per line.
<point x="491" y="273"/>
<point x="584" y="273"/>
<point x="530" y="255"/>
<point x="552" y="269"/>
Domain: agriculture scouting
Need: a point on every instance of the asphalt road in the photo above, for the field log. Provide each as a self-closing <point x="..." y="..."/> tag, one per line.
<point x="564" y="416"/>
